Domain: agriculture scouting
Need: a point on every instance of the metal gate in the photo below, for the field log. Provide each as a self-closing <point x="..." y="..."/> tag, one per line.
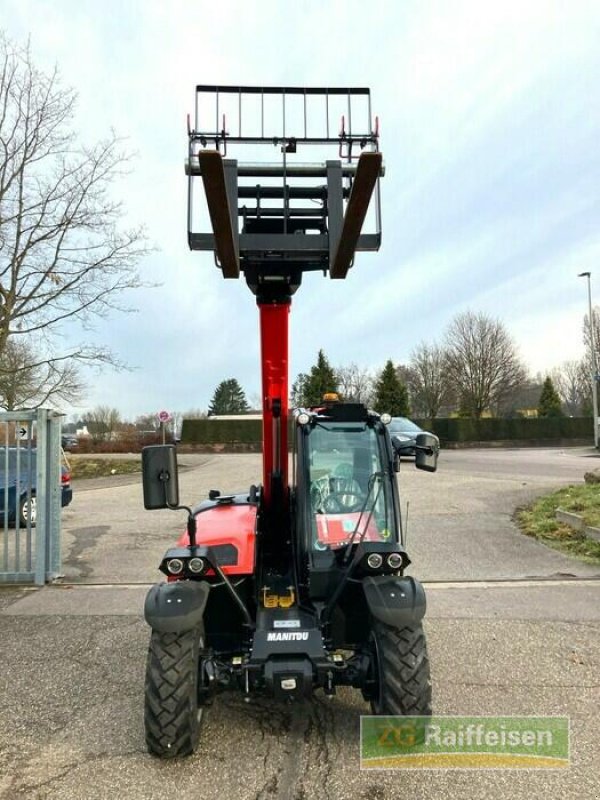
<point x="30" y="496"/>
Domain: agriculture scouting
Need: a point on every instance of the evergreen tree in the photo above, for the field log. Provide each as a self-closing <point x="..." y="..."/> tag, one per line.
<point x="549" y="404"/>
<point x="298" y="390"/>
<point x="391" y="395"/>
<point x="229" y="398"/>
<point x="308" y="390"/>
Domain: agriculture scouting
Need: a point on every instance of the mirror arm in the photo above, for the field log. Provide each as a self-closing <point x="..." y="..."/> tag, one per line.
<point x="429" y="451"/>
<point x="164" y="477"/>
<point x="191" y="523"/>
<point x="191" y="528"/>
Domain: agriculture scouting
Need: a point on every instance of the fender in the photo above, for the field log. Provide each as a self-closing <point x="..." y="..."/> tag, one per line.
<point x="398" y="602"/>
<point x="176" y="607"/>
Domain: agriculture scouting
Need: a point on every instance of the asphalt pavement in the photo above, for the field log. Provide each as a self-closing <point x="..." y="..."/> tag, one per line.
<point x="512" y="629"/>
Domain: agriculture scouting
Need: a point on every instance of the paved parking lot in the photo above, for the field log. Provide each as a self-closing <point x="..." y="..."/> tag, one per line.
<point x="73" y="656"/>
<point x="459" y="519"/>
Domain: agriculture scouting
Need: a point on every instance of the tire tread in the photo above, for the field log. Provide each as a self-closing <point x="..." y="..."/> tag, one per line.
<point x="171" y="702"/>
<point x="406" y="683"/>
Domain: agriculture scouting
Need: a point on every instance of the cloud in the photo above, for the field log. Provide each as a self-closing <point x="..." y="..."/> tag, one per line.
<point x="489" y="131"/>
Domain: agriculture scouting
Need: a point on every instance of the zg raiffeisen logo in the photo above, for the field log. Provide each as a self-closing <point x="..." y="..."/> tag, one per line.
<point x="464" y="742"/>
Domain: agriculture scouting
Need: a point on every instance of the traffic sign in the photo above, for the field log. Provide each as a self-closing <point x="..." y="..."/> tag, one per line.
<point x="22" y="431"/>
<point x="164" y="416"/>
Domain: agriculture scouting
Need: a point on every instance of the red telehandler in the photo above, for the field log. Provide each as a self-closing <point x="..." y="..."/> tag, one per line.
<point x="294" y="585"/>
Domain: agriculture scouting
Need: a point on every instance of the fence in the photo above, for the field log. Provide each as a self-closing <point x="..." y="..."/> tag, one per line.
<point x="30" y="496"/>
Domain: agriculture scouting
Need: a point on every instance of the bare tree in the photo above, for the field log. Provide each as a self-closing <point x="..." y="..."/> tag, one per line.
<point x="63" y="253"/>
<point x="523" y="400"/>
<point x="146" y="423"/>
<point x="405" y="376"/>
<point x="102" y="422"/>
<point x="193" y="413"/>
<point x="572" y="382"/>
<point x="587" y="363"/>
<point x="482" y="362"/>
<point x="149" y="423"/>
<point x="355" y="383"/>
<point x="587" y="337"/>
<point x="255" y="401"/>
<point x="26" y="382"/>
<point x="428" y="380"/>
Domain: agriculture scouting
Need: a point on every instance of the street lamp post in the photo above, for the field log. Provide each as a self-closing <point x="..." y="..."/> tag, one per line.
<point x="588" y="275"/>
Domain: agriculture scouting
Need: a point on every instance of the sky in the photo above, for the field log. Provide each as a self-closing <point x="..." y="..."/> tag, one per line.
<point x="490" y="130"/>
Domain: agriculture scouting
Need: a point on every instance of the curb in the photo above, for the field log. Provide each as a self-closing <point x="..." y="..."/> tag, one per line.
<point x="576" y="522"/>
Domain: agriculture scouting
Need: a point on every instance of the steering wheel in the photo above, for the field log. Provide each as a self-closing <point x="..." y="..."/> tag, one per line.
<point x="343" y="502"/>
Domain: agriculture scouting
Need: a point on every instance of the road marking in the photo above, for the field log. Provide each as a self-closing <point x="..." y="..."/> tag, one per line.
<point x="511" y="583"/>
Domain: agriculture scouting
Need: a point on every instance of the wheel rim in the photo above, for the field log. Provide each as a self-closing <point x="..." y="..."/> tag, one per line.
<point x="29" y="510"/>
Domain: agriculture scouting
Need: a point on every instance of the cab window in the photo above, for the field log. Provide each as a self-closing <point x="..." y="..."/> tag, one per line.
<point x="349" y="498"/>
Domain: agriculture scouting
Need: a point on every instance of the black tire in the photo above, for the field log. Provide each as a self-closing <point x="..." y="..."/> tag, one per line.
<point x="403" y="680"/>
<point x="27" y="507"/>
<point x="173" y="714"/>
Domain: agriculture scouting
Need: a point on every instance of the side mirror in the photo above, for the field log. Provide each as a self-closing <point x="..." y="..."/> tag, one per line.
<point x="159" y="476"/>
<point x="427" y="451"/>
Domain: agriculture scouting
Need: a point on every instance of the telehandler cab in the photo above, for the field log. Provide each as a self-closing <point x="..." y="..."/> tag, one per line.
<point x="294" y="585"/>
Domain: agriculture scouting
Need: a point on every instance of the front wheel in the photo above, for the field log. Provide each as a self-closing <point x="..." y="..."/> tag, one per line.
<point x="401" y="666"/>
<point x="28" y="511"/>
<point x="173" y="711"/>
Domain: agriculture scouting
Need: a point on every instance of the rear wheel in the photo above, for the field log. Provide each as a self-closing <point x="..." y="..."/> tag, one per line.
<point x="173" y="712"/>
<point x="402" y="679"/>
<point x="27" y="511"/>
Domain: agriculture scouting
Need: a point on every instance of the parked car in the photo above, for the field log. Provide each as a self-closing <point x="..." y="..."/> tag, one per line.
<point x="69" y="441"/>
<point x="405" y="431"/>
<point x="22" y="504"/>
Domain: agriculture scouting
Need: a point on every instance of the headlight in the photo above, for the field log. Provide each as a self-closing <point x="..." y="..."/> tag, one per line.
<point x="375" y="560"/>
<point x="386" y="419"/>
<point x="394" y="560"/>
<point x="196" y="565"/>
<point x="175" y="566"/>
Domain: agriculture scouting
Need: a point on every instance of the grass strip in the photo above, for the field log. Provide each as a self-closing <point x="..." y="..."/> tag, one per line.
<point x="85" y="467"/>
<point x="538" y="520"/>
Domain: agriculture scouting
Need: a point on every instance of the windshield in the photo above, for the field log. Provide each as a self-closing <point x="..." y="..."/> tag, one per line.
<point x="403" y="424"/>
<point x="350" y="495"/>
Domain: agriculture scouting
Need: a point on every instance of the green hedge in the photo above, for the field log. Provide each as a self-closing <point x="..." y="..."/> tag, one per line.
<point x="493" y="430"/>
<point x="249" y="431"/>
<point x="221" y="431"/>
